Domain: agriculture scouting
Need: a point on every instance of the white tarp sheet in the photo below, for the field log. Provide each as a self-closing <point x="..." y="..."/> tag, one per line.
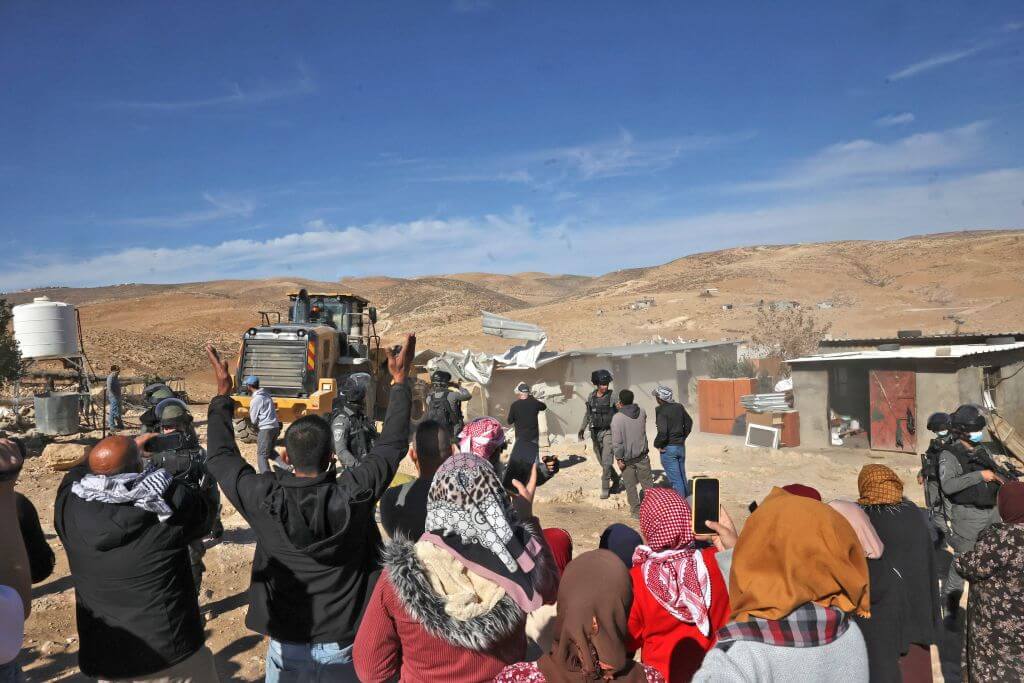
<point x="478" y="367"/>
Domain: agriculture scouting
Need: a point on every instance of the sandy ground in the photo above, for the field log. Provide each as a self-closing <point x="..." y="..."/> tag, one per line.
<point x="569" y="500"/>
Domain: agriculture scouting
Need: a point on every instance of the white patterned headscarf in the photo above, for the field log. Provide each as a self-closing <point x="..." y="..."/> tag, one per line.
<point x="664" y="393"/>
<point x="470" y="516"/>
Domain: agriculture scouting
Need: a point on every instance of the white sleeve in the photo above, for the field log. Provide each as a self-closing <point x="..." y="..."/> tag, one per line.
<point x="12" y="624"/>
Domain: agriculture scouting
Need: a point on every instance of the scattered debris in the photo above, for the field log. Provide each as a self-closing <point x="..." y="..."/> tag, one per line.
<point x="641" y="304"/>
<point x="709" y="292"/>
<point x="726" y="307"/>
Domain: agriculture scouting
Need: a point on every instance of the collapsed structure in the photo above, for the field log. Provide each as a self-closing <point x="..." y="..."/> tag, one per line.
<point x="562" y="378"/>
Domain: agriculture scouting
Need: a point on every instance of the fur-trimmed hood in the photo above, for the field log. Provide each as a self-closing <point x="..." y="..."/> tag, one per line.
<point x="412" y="587"/>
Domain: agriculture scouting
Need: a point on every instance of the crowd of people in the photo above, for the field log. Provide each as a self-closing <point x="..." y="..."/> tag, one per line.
<point x="467" y="583"/>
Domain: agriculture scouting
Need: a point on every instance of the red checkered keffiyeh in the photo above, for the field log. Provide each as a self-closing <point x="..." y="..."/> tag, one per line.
<point x="809" y="625"/>
<point x="481" y="437"/>
<point x="673" y="569"/>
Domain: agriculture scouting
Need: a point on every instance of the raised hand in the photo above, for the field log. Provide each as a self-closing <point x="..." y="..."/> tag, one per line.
<point x="400" y="362"/>
<point x="220" y="371"/>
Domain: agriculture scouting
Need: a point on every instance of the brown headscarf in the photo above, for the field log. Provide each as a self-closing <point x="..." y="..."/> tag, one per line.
<point x="595" y="587"/>
<point x="794" y="550"/>
<point x="1011" y="502"/>
<point x="879" y="485"/>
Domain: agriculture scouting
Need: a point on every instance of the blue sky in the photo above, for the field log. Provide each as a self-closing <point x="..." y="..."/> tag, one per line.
<point x="166" y="142"/>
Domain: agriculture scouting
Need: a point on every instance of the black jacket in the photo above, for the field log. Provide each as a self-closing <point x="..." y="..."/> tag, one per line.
<point x="135" y="600"/>
<point x="674" y="425"/>
<point x="40" y="555"/>
<point x="522" y="415"/>
<point x="317" y="543"/>
<point x="403" y="509"/>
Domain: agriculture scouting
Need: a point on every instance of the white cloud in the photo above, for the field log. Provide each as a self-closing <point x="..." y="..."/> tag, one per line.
<point x="934" y="62"/>
<point x="220" y="209"/>
<point x="866" y="160"/>
<point x="895" y="119"/>
<point x="303" y="84"/>
<point x="514" y="242"/>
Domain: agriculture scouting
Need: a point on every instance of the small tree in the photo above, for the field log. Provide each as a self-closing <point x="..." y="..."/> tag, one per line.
<point x="787" y="333"/>
<point x="10" y="356"/>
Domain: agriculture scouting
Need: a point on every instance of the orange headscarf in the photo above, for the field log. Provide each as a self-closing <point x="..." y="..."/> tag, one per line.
<point x="879" y="485"/>
<point x="794" y="550"/>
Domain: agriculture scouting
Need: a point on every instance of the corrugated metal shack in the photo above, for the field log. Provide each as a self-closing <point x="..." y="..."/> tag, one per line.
<point x="562" y="379"/>
<point x="889" y="386"/>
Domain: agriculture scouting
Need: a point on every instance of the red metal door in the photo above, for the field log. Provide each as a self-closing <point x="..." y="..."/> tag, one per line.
<point x="893" y="410"/>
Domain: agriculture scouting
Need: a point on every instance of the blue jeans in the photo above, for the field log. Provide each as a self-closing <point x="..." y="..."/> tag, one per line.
<point x="114" y="414"/>
<point x="309" y="662"/>
<point x="673" y="461"/>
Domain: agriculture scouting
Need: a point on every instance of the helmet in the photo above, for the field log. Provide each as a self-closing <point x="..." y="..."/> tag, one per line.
<point x="938" y="422"/>
<point x="354" y="387"/>
<point x="440" y="377"/>
<point x="601" y="378"/>
<point x="967" y="418"/>
<point x="173" y="412"/>
<point x="155" y="393"/>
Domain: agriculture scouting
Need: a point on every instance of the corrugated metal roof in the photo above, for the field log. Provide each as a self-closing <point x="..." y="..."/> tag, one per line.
<point x="963" y="337"/>
<point x="627" y="351"/>
<point x="644" y="349"/>
<point x="911" y="352"/>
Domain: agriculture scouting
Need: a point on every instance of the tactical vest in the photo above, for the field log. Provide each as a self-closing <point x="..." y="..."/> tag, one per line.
<point x="602" y="408"/>
<point x="981" y="495"/>
<point x="361" y="433"/>
<point x="930" y="462"/>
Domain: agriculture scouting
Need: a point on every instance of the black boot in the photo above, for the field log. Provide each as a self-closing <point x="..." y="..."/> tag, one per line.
<point x="951" y="610"/>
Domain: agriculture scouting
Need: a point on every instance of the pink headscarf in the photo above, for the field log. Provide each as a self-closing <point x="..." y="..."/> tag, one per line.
<point x="673" y="569"/>
<point x="861" y="523"/>
<point x="481" y="437"/>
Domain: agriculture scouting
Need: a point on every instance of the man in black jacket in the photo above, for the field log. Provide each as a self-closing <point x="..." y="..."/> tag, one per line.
<point x="523" y="414"/>
<point x="317" y="544"/>
<point x="126" y="535"/>
<point x="674" y="425"/>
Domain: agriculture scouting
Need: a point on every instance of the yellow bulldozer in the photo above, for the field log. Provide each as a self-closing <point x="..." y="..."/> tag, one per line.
<point x="305" y="360"/>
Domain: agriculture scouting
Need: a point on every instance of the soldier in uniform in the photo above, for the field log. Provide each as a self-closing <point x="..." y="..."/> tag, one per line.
<point x="598" y="417"/>
<point x="354" y="433"/>
<point x="185" y="459"/>
<point x="970" y="479"/>
<point x="938" y="505"/>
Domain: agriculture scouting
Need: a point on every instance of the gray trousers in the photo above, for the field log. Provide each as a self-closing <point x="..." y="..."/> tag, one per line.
<point x="636" y="472"/>
<point x="603" y="451"/>
<point x="265" y="447"/>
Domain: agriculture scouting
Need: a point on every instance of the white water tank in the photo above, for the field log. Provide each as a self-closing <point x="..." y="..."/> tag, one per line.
<point x="46" y="329"/>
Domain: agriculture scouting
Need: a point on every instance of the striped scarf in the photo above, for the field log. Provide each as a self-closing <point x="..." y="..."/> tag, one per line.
<point x="809" y="625"/>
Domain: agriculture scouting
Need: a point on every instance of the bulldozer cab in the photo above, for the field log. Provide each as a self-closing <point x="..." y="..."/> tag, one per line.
<point x="304" y="361"/>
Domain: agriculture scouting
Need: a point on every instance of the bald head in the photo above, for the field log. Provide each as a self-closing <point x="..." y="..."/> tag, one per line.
<point x="114" y="455"/>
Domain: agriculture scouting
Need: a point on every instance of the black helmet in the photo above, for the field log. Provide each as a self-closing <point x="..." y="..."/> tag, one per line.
<point x="967" y="418"/>
<point x="354" y="387"/>
<point x="938" y="422"/>
<point x="601" y="378"/>
<point x="441" y="377"/>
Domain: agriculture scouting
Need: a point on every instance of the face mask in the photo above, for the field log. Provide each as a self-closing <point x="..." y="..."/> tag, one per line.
<point x="944" y="432"/>
<point x="975" y="437"/>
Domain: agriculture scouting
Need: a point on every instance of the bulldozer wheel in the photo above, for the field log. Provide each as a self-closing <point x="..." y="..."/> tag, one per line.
<point x="245" y="431"/>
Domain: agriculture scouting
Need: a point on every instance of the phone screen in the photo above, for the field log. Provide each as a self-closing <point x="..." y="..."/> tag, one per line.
<point x="705" y="504"/>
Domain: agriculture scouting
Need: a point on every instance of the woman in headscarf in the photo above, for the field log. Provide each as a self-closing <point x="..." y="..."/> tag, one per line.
<point x="798" y="571"/>
<point x="994" y="642"/>
<point x="540" y="623"/>
<point x="904" y="529"/>
<point x="680" y="599"/>
<point x="621" y="540"/>
<point x="594" y="601"/>
<point x="883" y="632"/>
<point x="452" y="606"/>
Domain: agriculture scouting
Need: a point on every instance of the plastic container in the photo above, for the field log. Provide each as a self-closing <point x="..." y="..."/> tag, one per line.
<point x="46" y="329"/>
<point x="57" y="413"/>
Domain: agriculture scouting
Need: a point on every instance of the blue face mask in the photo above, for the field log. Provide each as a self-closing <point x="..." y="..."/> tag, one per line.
<point x="975" y="437"/>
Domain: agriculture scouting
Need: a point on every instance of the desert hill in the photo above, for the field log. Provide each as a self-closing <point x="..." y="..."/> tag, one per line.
<point x="862" y="287"/>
